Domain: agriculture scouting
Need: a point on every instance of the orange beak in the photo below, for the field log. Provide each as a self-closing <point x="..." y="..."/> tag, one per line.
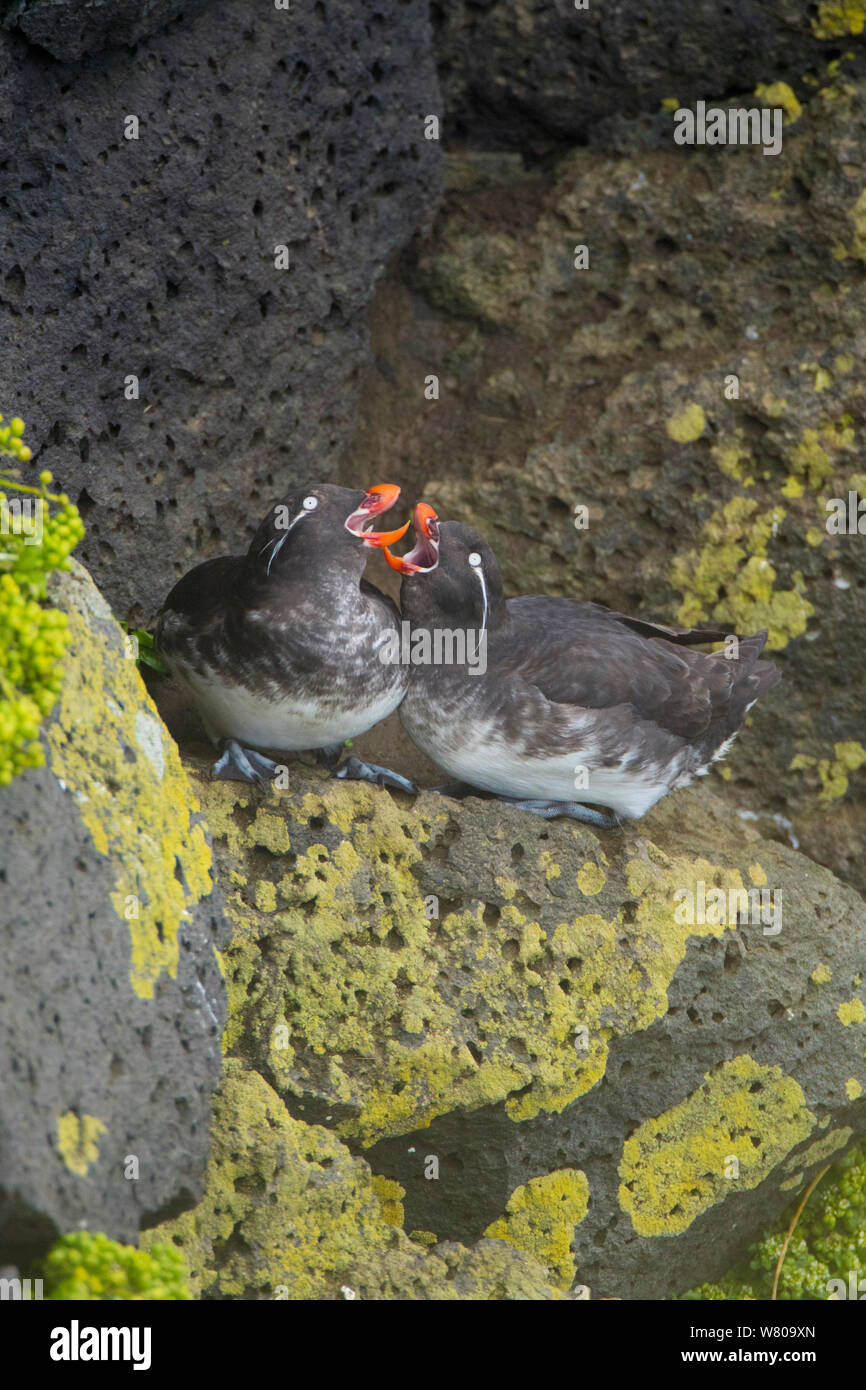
<point x="379" y="499"/>
<point x="425" y="556"/>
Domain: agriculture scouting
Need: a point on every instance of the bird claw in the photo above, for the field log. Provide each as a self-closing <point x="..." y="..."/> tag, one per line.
<point x="354" y="770"/>
<point x="604" y="820"/>
<point x="239" y="764"/>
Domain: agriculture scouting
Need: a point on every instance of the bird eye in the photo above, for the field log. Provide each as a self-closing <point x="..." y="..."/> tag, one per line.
<point x="475" y="559"/>
<point x="310" y="504"/>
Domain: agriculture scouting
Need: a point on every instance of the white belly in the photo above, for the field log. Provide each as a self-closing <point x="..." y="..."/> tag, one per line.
<point x="493" y="765"/>
<point x="278" y="721"/>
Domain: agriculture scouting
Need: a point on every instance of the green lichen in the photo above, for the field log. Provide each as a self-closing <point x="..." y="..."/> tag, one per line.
<point x="829" y="1243"/>
<point x="678" y="1164"/>
<point x="540" y="1217"/>
<point x="81" y="1267"/>
<point x="730" y="579"/>
<point x="108" y="747"/>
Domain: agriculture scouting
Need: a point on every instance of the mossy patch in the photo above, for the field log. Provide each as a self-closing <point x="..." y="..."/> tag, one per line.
<point x="680" y="1163"/>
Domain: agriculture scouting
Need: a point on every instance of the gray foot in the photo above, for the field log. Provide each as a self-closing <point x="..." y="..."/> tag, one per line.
<point x="354" y="770"/>
<point x="605" y="820"/>
<point x="239" y="764"/>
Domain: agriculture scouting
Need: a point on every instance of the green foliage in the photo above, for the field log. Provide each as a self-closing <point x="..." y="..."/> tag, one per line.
<point x="33" y="542"/>
<point x="829" y="1242"/>
<point x="88" y="1267"/>
<point x="146" y="653"/>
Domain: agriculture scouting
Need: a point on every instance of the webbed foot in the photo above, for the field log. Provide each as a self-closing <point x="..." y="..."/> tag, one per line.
<point x="605" y="820"/>
<point x="239" y="764"/>
<point x="354" y="770"/>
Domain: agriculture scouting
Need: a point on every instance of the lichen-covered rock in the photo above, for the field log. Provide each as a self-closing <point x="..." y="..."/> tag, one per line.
<point x="111" y="998"/>
<point x="289" y="1213"/>
<point x="192" y="229"/>
<point x="671" y="1015"/>
<point x="524" y="75"/>
<point x="698" y="389"/>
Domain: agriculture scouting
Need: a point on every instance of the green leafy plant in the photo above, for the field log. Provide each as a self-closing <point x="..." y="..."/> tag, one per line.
<point x="32" y="637"/>
<point x="827" y="1241"/>
<point x="81" y="1266"/>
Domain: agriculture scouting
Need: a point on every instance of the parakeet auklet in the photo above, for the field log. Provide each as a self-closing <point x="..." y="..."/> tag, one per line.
<point x="278" y="647"/>
<point x="576" y="703"/>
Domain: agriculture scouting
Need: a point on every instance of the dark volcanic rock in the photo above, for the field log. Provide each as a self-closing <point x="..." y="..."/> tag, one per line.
<point x="155" y="258"/>
<point x="518" y="75"/>
<point x="69" y="28"/>
<point x="519" y="999"/>
<point x="111" y="998"/>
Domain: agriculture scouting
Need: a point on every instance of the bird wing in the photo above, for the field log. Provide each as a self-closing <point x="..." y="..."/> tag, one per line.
<point x="584" y="656"/>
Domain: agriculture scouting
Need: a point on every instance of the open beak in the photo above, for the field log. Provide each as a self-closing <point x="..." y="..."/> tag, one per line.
<point x="379" y="499"/>
<point x="425" y="556"/>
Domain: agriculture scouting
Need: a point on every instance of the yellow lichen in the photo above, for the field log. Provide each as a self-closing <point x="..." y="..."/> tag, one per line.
<point x="591" y="879"/>
<point x="78" y="1140"/>
<point x="731" y="580"/>
<point x="688" y="425"/>
<point x="540" y="1218"/>
<point x="836" y="18"/>
<point x="110" y="751"/>
<point x="390" y="1196"/>
<point x="833" y="773"/>
<point x="822" y="974"/>
<point x="852" y="1011"/>
<point x="780" y="94"/>
<point x="677" y="1165"/>
<point x="853" y="1088"/>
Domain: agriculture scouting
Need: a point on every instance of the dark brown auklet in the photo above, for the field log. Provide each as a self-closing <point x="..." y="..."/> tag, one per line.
<point x="279" y="647"/>
<point x="573" y="702"/>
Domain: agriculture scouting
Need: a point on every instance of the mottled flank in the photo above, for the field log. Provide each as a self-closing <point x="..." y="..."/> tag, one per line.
<point x="541" y="1216"/>
<point x="110" y="751"/>
<point x="289" y="1213"/>
<point x="726" y="1136"/>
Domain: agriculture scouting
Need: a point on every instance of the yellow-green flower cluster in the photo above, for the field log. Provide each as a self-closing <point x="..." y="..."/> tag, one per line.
<point x="32" y="638"/>
<point x="88" y="1267"/>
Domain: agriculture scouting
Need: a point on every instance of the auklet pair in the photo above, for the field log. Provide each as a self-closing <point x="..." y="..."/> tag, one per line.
<point x="278" y="648"/>
<point x="577" y="703"/>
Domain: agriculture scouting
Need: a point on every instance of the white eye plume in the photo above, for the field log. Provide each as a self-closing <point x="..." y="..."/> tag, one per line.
<point x="282" y="523"/>
<point x="478" y="570"/>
